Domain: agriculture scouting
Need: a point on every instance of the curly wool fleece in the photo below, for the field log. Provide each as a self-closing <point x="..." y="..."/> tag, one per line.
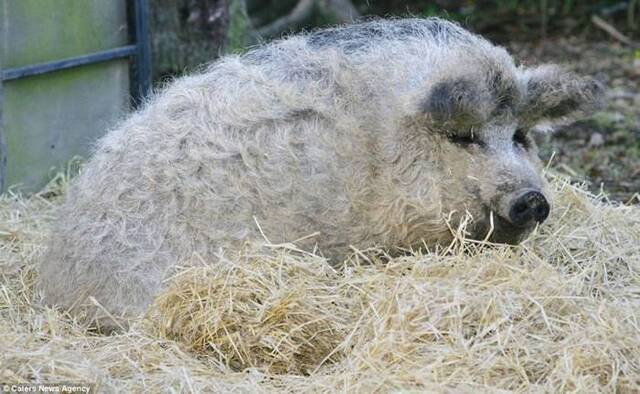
<point x="343" y="133"/>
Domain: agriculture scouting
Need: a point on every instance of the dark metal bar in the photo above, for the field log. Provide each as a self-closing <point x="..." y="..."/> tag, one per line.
<point x="142" y="69"/>
<point x="43" y="68"/>
<point x="3" y="143"/>
<point x="3" y="140"/>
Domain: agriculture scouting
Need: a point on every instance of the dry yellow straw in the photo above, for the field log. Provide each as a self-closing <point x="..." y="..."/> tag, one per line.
<point x="561" y="312"/>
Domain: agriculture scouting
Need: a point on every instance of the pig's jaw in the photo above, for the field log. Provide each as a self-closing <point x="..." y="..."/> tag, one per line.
<point x="497" y="229"/>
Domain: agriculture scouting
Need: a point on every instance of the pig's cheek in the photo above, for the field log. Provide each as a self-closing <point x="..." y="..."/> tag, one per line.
<point x="474" y="197"/>
<point x="483" y="169"/>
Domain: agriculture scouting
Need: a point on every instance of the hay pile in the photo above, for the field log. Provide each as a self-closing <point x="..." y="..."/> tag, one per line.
<point x="559" y="313"/>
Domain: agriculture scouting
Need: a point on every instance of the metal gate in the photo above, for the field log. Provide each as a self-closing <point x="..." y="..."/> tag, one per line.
<point x="55" y="107"/>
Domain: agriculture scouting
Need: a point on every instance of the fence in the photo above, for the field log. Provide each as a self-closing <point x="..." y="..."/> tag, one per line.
<point x="70" y="69"/>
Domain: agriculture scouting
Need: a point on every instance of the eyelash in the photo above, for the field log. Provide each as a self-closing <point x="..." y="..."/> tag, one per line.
<point x="519" y="138"/>
<point x="465" y="140"/>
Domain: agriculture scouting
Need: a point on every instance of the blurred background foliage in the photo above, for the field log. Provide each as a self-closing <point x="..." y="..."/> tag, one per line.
<point x="187" y="33"/>
<point x="597" y="37"/>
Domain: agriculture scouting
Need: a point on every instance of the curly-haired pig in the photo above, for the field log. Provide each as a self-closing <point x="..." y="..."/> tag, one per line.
<point x="385" y="133"/>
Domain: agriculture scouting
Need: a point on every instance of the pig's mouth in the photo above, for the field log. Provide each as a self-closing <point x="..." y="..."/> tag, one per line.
<point x="501" y="231"/>
<point x="506" y="233"/>
<point x="511" y="219"/>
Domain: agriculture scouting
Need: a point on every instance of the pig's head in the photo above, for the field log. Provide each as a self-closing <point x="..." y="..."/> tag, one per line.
<point x="480" y="121"/>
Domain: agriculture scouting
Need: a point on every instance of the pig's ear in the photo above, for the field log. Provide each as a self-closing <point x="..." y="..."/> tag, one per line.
<point x="554" y="96"/>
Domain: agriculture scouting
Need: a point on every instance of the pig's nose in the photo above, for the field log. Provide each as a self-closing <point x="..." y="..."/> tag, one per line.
<point x="531" y="206"/>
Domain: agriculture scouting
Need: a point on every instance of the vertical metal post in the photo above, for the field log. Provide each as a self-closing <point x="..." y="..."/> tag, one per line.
<point x="3" y="142"/>
<point x="142" y="72"/>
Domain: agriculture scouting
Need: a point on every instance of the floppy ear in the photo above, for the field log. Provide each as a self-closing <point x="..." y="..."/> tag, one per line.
<point x="554" y="96"/>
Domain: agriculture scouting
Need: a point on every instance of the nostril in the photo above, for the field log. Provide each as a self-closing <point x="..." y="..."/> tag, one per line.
<point x="521" y="208"/>
<point x="529" y="207"/>
<point x="541" y="211"/>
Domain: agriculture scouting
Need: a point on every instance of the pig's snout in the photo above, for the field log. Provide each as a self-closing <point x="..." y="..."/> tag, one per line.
<point x="517" y="215"/>
<point x="528" y="207"/>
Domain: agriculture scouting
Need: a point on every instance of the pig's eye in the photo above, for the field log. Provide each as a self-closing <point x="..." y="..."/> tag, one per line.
<point x="521" y="139"/>
<point x="465" y="140"/>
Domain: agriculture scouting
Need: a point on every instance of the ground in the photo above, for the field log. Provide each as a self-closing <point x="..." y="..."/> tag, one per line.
<point x="558" y="313"/>
<point x="603" y="150"/>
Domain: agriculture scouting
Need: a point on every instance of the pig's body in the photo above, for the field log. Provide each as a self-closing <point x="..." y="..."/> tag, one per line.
<point x="348" y="133"/>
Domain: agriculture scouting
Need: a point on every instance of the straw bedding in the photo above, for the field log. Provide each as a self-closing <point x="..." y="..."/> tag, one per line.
<point x="560" y="312"/>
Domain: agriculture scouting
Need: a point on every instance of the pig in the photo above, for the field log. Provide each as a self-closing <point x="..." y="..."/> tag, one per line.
<point x="384" y="134"/>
